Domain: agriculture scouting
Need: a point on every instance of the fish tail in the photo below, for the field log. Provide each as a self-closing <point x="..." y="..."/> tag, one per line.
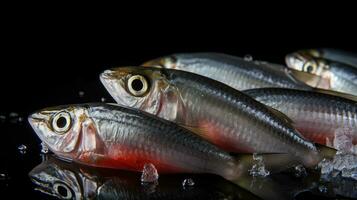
<point x="326" y="152"/>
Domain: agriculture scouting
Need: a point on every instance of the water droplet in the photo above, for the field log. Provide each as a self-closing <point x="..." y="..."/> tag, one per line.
<point x="81" y="93"/>
<point x="323" y="189"/>
<point x="149" y="173"/>
<point x="20" y="119"/>
<point x="2" y="118"/>
<point x="44" y="147"/>
<point x="13" y="114"/>
<point x="248" y="57"/>
<point x="188" y="182"/>
<point x="4" y="176"/>
<point x="300" y="171"/>
<point x="102" y="99"/>
<point x="22" y="149"/>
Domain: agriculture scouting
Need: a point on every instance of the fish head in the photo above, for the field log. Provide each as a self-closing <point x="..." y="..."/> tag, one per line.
<point x="55" y="180"/>
<point x="168" y="62"/>
<point x="144" y="88"/>
<point x="307" y="61"/>
<point x="59" y="128"/>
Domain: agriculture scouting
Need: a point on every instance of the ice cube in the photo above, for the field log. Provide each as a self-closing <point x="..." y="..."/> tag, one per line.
<point x="248" y="57"/>
<point x="300" y="171"/>
<point x="149" y="173"/>
<point x="258" y="168"/>
<point x="22" y="149"/>
<point x="343" y="140"/>
<point x="326" y="166"/>
<point x="188" y="182"/>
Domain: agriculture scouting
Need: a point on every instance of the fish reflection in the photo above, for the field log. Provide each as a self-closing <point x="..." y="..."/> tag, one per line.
<point x="71" y="181"/>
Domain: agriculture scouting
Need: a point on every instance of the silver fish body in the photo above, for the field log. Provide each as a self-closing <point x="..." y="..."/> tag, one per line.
<point x="231" y="70"/>
<point x="319" y="117"/>
<point x="111" y="136"/>
<point x="221" y="114"/>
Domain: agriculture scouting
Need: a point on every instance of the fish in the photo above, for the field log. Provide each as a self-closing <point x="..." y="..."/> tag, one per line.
<point x="233" y="71"/>
<point x="340" y="56"/>
<point x="111" y="136"/>
<point x="316" y="115"/>
<point x="222" y="115"/>
<point x="339" y="77"/>
<point x="65" y="180"/>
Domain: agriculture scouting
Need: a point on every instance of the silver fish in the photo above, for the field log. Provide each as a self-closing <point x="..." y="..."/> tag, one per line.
<point x="111" y="136"/>
<point x="220" y="114"/>
<point x="338" y="76"/>
<point x="231" y="70"/>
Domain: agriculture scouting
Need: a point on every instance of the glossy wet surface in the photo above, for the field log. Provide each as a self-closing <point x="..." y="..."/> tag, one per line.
<point x="63" y="83"/>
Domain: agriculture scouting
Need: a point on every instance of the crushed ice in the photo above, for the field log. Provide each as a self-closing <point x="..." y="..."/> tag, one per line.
<point x="258" y="168"/>
<point x="188" y="182"/>
<point x="248" y="57"/>
<point x="344" y="163"/>
<point x="22" y="149"/>
<point x="300" y="171"/>
<point x="149" y="173"/>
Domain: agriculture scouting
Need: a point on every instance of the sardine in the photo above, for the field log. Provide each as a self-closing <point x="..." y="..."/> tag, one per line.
<point x="231" y="70"/>
<point x="316" y="115"/>
<point x="110" y="136"/>
<point x="224" y="116"/>
<point x="340" y="77"/>
<point x="340" y="56"/>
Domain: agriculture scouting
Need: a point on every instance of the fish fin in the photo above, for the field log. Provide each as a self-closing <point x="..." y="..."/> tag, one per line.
<point x="310" y="79"/>
<point x="335" y="93"/>
<point x="325" y="151"/>
<point x="281" y="115"/>
<point x="202" y="132"/>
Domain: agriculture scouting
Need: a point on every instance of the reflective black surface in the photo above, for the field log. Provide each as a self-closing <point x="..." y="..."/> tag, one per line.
<point x="41" y="69"/>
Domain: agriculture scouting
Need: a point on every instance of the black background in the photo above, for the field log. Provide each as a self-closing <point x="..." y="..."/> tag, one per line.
<point x="46" y="62"/>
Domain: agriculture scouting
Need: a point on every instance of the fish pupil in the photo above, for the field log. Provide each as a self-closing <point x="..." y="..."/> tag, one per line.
<point x="309" y="68"/>
<point x="61" y="122"/>
<point x="62" y="191"/>
<point x="137" y="85"/>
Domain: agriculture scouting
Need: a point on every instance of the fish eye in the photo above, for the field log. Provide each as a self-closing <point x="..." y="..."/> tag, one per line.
<point x="62" y="190"/>
<point x="309" y="67"/>
<point x="137" y="85"/>
<point x="61" y="122"/>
